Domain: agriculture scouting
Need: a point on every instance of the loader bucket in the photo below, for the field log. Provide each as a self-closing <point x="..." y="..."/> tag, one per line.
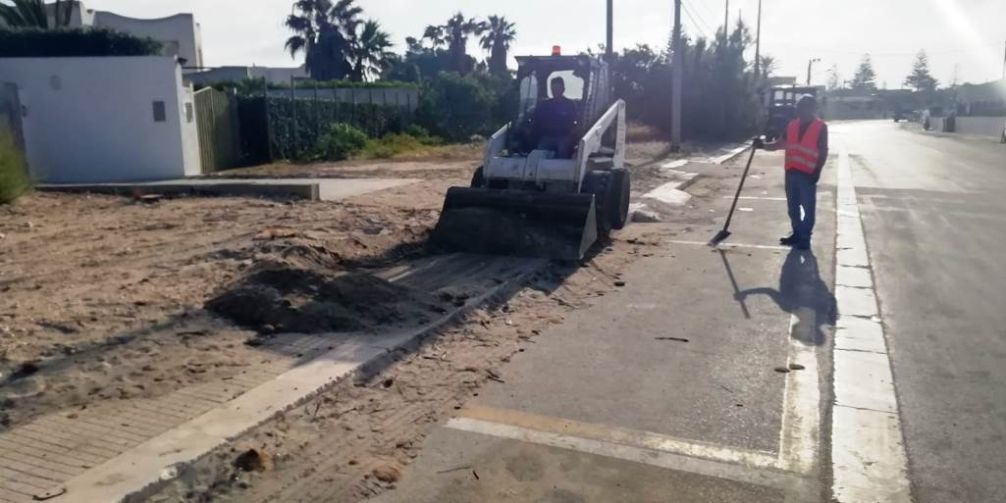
<point x="530" y="224"/>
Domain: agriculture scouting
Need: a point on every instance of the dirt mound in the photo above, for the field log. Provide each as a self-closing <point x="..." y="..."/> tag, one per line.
<point x="281" y="297"/>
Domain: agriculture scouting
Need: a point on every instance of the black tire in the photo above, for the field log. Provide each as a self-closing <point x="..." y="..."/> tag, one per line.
<point x="597" y="182"/>
<point x="479" y="178"/>
<point x="620" y="192"/>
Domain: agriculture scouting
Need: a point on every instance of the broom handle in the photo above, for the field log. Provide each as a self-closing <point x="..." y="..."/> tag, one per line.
<point x="740" y="187"/>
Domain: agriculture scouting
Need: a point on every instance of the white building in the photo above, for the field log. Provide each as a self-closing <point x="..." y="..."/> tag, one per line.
<point x="105" y="119"/>
<point x="179" y="33"/>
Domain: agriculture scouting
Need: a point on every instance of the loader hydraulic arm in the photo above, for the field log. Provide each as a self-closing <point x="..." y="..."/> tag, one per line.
<point x="591" y="141"/>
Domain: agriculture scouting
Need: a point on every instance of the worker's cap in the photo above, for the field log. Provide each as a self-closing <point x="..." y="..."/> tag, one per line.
<point x="807" y="100"/>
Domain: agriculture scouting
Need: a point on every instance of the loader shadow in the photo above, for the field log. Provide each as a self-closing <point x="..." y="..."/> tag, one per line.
<point x="802" y="293"/>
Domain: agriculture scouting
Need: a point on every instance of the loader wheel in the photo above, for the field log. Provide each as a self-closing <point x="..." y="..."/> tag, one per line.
<point x="479" y="178"/>
<point x="620" y="192"/>
<point x="598" y="183"/>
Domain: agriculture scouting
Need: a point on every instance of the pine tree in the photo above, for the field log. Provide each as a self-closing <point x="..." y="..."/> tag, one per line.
<point x="920" y="79"/>
<point x="865" y="78"/>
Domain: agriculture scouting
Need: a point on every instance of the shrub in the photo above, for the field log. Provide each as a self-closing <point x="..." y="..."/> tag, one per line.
<point x="71" y="42"/>
<point x="340" y="141"/>
<point x="456" y="107"/>
<point x="13" y="179"/>
<point x="394" y="145"/>
<point x="295" y="126"/>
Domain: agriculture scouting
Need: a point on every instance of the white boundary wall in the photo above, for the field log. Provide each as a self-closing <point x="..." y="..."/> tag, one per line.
<point x="90" y="120"/>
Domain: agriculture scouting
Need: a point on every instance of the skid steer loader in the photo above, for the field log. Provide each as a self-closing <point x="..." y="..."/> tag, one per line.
<point x="546" y="197"/>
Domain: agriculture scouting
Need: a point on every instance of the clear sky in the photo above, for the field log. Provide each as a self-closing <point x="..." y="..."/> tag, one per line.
<point x="963" y="36"/>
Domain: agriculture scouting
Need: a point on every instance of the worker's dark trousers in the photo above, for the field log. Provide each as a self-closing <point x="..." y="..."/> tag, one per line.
<point x="801" y="193"/>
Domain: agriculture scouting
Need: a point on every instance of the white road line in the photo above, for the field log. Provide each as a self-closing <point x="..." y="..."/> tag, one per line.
<point x="867" y="451"/>
<point x="799" y="437"/>
<point x="727" y="245"/>
<point x="759" y="475"/>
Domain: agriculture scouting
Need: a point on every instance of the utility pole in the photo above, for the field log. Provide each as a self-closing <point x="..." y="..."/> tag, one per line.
<point x="676" y="80"/>
<point x="726" y="21"/>
<point x="758" y="47"/>
<point x="810" y="67"/>
<point x="609" y="49"/>
<point x="1004" y="65"/>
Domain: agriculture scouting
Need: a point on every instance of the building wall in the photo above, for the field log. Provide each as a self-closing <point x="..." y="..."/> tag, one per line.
<point x="991" y="127"/>
<point x="91" y="119"/>
<point x="179" y="33"/>
<point x="273" y="75"/>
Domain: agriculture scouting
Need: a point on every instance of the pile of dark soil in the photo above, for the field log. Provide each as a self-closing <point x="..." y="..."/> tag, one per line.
<point x="282" y="297"/>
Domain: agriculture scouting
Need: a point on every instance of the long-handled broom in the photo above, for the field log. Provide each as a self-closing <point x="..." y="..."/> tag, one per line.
<point x="725" y="233"/>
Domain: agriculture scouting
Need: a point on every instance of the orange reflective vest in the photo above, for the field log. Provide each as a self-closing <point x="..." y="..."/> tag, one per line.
<point x="802" y="153"/>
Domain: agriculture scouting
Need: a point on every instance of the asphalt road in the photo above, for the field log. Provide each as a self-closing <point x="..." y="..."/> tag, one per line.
<point x="668" y="389"/>
<point x="934" y="211"/>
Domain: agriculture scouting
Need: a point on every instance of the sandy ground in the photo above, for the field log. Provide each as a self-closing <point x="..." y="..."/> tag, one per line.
<point x="105" y="298"/>
<point x="354" y="440"/>
<point x="102" y="297"/>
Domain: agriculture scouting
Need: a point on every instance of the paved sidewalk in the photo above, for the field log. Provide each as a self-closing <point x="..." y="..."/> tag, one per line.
<point x="116" y="448"/>
<point x="678" y="387"/>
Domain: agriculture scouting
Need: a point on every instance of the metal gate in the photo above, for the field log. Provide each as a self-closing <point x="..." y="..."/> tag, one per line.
<point x="217" y="120"/>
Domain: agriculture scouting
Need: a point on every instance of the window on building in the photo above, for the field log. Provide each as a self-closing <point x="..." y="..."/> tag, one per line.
<point x="160" y="114"/>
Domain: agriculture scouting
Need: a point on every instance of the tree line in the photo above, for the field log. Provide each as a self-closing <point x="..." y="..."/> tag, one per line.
<point x="338" y="43"/>
<point x="864" y="80"/>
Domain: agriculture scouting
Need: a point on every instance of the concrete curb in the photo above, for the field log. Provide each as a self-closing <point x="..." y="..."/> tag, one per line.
<point x="723" y="159"/>
<point x="309" y="191"/>
<point x="141" y="471"/>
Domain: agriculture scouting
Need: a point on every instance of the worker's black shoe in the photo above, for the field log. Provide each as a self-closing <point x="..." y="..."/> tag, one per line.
<point x="803" y="244"/>
<point x="789" y="241"/>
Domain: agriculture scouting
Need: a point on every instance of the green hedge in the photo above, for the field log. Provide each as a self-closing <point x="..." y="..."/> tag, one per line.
<point x="294" y="126"/>
<point x="253" y="86"/>
<point x="13" y="180"/>
<point x="73" y="42"/>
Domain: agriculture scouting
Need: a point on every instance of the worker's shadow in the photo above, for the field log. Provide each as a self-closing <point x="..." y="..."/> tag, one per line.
<point x="802" y="293"/>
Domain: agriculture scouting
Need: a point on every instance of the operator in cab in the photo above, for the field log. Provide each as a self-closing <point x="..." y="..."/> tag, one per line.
<point x="806" y="146"/>
<point x="555" y="120"/>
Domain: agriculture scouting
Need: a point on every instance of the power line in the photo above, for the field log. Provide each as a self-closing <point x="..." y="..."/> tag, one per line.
<point x="700" y="9"/>
<point x="698" y="14"/>
<point x="701" y="26"/>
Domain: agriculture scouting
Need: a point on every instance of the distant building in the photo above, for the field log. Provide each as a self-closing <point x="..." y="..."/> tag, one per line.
<point x="179" y="33"/>
<point x="781" y="81"/>
<point x="272" y="75"/>
<point x="988" y="99"/>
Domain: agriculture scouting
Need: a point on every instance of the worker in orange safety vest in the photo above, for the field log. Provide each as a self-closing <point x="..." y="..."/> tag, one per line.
<point x="806" y="146"/>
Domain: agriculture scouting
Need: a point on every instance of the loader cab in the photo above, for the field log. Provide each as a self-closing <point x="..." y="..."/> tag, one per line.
<point x="586" y="85"/>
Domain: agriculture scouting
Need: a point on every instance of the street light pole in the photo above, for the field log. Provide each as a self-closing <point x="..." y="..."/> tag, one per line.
<point x="758" y="47"/>
<point x="1004" y="65"/>
<point x="726" y="20"/>
<point x="609" y="49"/>
<point x="810" y="67"/>
<point x="676" y="80"/>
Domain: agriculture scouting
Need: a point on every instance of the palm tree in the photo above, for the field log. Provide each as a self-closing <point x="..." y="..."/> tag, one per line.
<point x="33" y="14"/>
<point x="370" y="51"/>
<point x="435" y="34"/>
<point x="500" y="33"/>
<point x="456" y="33"/>
<point x="324" y="32"/>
